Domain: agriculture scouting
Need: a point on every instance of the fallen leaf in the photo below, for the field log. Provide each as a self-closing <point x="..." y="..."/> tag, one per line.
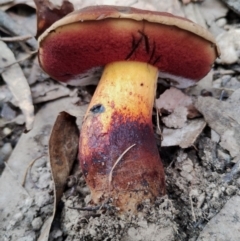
<point x="206" y="87"/>
<point x="8" y="24"/>
<point x="63" y="148"/>
<point x="178" y="105"/>
<point x="48" y="90"/>
<point x="223" y="117"/>
<point x="192" y="12"/>
<point x="212" y="10"/>
<point x="184" y="137"/>
<point x="177" y="119"/>
<point x="233" y="5"/>
<point x="12" y="74"/>
<point x="48" y="13"/>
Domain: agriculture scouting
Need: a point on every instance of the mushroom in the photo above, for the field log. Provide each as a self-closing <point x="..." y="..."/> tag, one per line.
<point x="117" y="149"/>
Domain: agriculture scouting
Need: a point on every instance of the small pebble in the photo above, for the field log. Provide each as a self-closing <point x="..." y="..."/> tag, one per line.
<point x="187" y="167"/>
<point x="221" y="22"/>
<point x="7" y="131"/>
<point x="230" y="190"/>
<point x="37" y="223"/>
<point x="42" y="199"/>
<point x="56" y="233"/>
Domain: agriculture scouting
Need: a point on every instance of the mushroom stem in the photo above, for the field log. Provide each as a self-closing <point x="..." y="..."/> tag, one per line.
<point x="119" y="117"/>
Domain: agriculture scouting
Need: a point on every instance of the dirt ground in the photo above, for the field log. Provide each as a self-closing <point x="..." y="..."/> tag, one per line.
<point x="202" y="179"/>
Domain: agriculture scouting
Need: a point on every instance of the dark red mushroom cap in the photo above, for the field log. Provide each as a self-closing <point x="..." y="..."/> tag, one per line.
<point x="94" y="36"/>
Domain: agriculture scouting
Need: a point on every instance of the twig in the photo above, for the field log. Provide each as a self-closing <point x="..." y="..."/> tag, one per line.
<point x="16" y="38"/>
<point x="118" y="160"/>
<point x="158" y="126"/>
<point x="86" y="208"/>
<point x="194" y="147"/>
<point x="18" y="61"/>
<point x="91" y="208"/>
<point x="193" y="214"/>
<point x="30" y="166"/>
<point x="12" y="174"/>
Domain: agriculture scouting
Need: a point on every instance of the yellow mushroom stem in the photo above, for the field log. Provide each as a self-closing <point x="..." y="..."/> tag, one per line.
<point x="118" y="152"/>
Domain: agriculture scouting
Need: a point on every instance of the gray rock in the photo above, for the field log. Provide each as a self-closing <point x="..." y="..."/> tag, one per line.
<point x="225" y="225"/>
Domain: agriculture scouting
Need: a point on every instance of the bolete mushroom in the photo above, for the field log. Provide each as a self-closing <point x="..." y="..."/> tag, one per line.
<point x="117" y="151"/>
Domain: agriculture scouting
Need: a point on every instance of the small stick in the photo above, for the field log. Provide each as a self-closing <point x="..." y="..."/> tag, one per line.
<point x="91" y="208"/>
<point x="158" y="125"/>
<point x="30" y="166"/>
<point x="193" y="214"/>
<point x="16" y="38"/>
<point x="118" y="160"/>
<point x="86" y="208"/>
<point x="18" y="61"/>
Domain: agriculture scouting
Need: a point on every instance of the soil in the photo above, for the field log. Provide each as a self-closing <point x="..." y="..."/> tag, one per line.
<point x="196" y="191"/>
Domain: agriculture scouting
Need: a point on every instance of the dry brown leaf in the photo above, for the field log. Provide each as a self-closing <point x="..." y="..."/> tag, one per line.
<point x="48" y="13"/>
<point x="17" y="83"/>
<point x="63" y="148"/>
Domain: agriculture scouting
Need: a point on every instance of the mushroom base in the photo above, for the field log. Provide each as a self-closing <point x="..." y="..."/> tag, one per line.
<point x="117" y="152"/>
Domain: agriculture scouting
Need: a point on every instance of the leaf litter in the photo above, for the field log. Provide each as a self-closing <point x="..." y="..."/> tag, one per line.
<point x="202" y="174"/>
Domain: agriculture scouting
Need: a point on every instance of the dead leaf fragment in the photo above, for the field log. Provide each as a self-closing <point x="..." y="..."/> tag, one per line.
<point x="8" y="24"/>
<point x="184" y="137"/>
<point x="17" y="84"/>
<point x="234" y="5"/>
<point x="229" y="45"/>
<point x="63" y="148"/>
<point x="179" y="105"/>
<point x="48" y="13"/>
<point x="48" y="90"/>
<point x="177" y="119"/>
<point x="223" y="117"/>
